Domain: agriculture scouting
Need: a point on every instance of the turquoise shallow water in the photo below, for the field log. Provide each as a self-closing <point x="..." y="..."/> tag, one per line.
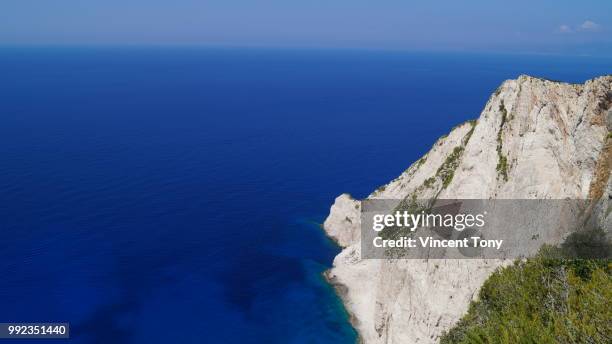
<point x="150" y="195"/>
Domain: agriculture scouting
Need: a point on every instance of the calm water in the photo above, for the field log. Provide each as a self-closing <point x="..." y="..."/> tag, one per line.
<point x="153" y="195"/>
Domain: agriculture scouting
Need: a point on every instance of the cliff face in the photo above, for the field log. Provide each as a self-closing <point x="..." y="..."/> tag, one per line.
<point x="535" y="139"/>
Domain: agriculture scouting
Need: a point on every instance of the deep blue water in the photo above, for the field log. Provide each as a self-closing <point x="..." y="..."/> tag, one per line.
<point x="173" y="195"/>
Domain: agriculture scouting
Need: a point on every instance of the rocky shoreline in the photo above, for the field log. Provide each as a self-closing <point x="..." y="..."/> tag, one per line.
<point x="342" y="292"/>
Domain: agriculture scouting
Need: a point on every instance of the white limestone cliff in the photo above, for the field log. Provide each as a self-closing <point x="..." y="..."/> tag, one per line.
<point x="535" y="139"/>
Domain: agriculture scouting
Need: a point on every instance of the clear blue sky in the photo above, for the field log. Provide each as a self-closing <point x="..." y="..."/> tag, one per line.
<point x="536" y="26"/>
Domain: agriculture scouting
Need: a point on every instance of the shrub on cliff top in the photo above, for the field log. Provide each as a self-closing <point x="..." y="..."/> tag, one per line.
<point x="541" y="300"/>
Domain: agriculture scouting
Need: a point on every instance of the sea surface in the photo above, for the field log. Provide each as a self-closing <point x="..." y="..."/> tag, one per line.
<point x="174" y="194"/>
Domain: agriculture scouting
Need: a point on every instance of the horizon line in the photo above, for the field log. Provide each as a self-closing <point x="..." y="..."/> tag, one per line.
<point x="293" y="48"/>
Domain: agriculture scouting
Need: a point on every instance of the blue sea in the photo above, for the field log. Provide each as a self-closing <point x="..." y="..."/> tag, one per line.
<point x="175" y="194"/>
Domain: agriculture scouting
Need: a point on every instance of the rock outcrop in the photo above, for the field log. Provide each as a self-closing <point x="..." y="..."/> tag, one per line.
<point x="535" y="139"/>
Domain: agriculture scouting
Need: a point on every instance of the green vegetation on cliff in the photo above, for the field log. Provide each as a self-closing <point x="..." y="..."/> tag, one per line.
<point x="544" y="299"/>
<point x="502" y="164"/>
